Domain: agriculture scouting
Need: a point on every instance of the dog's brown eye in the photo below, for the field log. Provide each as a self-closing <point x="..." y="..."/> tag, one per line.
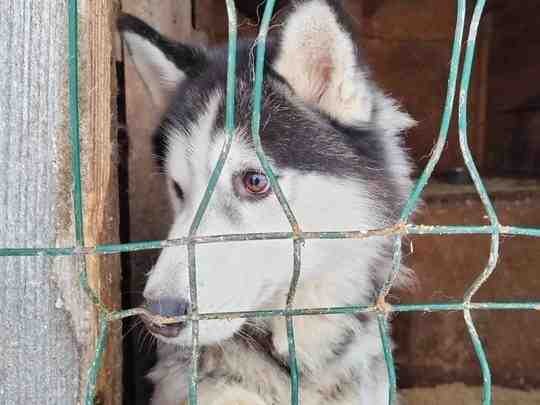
<point x="256" y="183"/>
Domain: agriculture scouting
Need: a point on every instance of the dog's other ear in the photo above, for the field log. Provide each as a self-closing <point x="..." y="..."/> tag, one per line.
<point x="318" y="57"/>
<point x="161" y="63"/>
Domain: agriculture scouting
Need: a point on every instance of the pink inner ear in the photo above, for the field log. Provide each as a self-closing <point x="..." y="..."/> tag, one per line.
<point x="320" y="76"/>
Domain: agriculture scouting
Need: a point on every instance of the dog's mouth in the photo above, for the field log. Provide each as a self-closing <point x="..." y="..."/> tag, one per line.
<point x="169" y="330"/>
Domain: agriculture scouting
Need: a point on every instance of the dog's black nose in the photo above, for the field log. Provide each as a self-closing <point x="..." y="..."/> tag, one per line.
<point x="166" y="307"/>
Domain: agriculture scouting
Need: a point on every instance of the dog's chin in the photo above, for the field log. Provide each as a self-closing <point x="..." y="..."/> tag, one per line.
<point x="210" y="332"/>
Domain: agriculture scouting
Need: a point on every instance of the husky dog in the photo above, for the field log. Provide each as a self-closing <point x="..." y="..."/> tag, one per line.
<point x="333" y="139"/>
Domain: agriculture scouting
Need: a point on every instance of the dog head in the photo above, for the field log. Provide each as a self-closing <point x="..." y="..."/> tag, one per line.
<point x="331" y="137"/>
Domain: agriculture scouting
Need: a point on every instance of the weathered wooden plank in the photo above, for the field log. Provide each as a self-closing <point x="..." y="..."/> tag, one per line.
<point x="174" y="19"/>
<point x="98" y="135"/>
<point x="48" y="323"/>
<point x="149" y="218"/>
<point x="39" y="360"/>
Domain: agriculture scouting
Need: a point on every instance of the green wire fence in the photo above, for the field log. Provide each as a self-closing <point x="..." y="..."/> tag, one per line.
<point x="296" y="235"/>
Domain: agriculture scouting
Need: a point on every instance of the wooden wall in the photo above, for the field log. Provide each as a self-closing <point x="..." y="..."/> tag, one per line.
<point x="49" y="324"/>
<point x="408" y="44"/>
<point x="513" y="145"/>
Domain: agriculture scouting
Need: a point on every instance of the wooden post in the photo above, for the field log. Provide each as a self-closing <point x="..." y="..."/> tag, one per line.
<point x="99" y="138"/>
<point x="50" y="325"/>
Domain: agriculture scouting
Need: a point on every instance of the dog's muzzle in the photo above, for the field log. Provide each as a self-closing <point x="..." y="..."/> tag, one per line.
<point x="166" y="307"/>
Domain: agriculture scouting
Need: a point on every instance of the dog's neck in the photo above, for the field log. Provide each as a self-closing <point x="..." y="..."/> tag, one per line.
<point x="331" y="350"/>
<point x="318" y="339"/>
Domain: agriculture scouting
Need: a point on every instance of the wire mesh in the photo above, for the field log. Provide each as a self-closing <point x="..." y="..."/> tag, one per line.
<point x="297" y="236"/>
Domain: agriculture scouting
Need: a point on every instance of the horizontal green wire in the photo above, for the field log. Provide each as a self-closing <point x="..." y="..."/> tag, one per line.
<point x="325" y="235"/>
<point x="297" y="243"/>
<point x="437" y="151"/>
<point x="352" y="309"/>
<point x="467" y="155"/>
<point x="230" y="128"/>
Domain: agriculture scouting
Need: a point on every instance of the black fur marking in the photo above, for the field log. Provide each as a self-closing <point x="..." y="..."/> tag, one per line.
<point x="191" y="60"/>
<point x="185" y="110"/>
<point x="348" y="339"/>
<point x="178" y="190"/>
<point x="341" y="348"/>
<point x="222" y="377"/>
<point x="263" y="340"/>
<point x="293" y="135"/>
<point x="363" y="318"/>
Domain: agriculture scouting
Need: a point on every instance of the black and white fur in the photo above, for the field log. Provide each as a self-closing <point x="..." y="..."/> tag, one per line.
<point x="333" y="138"/>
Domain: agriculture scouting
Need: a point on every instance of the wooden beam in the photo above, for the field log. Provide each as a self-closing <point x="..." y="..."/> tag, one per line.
<point x="42" y="350"/>
<point x="99" y="145"/>
<point x="50" y="321"/>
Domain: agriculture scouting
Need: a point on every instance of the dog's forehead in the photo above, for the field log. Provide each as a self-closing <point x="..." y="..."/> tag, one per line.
<point x="293" y="135"/>
<point x="194" y="146"/>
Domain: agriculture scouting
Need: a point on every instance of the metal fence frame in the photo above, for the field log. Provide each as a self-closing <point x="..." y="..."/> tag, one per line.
<point x="296" y="235"/>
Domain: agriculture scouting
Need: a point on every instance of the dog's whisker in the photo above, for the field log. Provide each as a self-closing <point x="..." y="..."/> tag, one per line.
<point x="136" y="325"/>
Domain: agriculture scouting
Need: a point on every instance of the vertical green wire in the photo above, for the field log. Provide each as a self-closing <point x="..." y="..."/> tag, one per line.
<point x="74" y="120"/>
<point x="74" y="127"/>
<point x="229" y="119"/>
<point x="194" y="311"/>
<point x="413" y="199"/>
<point x="297" y="243"/>
<point x="388" y="357"/>
<point x="230" y="113"/>
<point x="463" y="98"/>
<point x="383" y="325"/>
<point x="93" y="373"/>
<point x="419" y="188"/>
<point x="492" y="215"/>
<point x="230" y="127"/>
<point x="447" y="115"/>
<point x="293" y="363"/>
<point x="256" y="117"/>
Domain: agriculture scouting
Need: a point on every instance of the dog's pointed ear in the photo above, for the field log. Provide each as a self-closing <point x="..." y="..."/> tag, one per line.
<point x="161" y="63"/>
<point x="318" y="57"/>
